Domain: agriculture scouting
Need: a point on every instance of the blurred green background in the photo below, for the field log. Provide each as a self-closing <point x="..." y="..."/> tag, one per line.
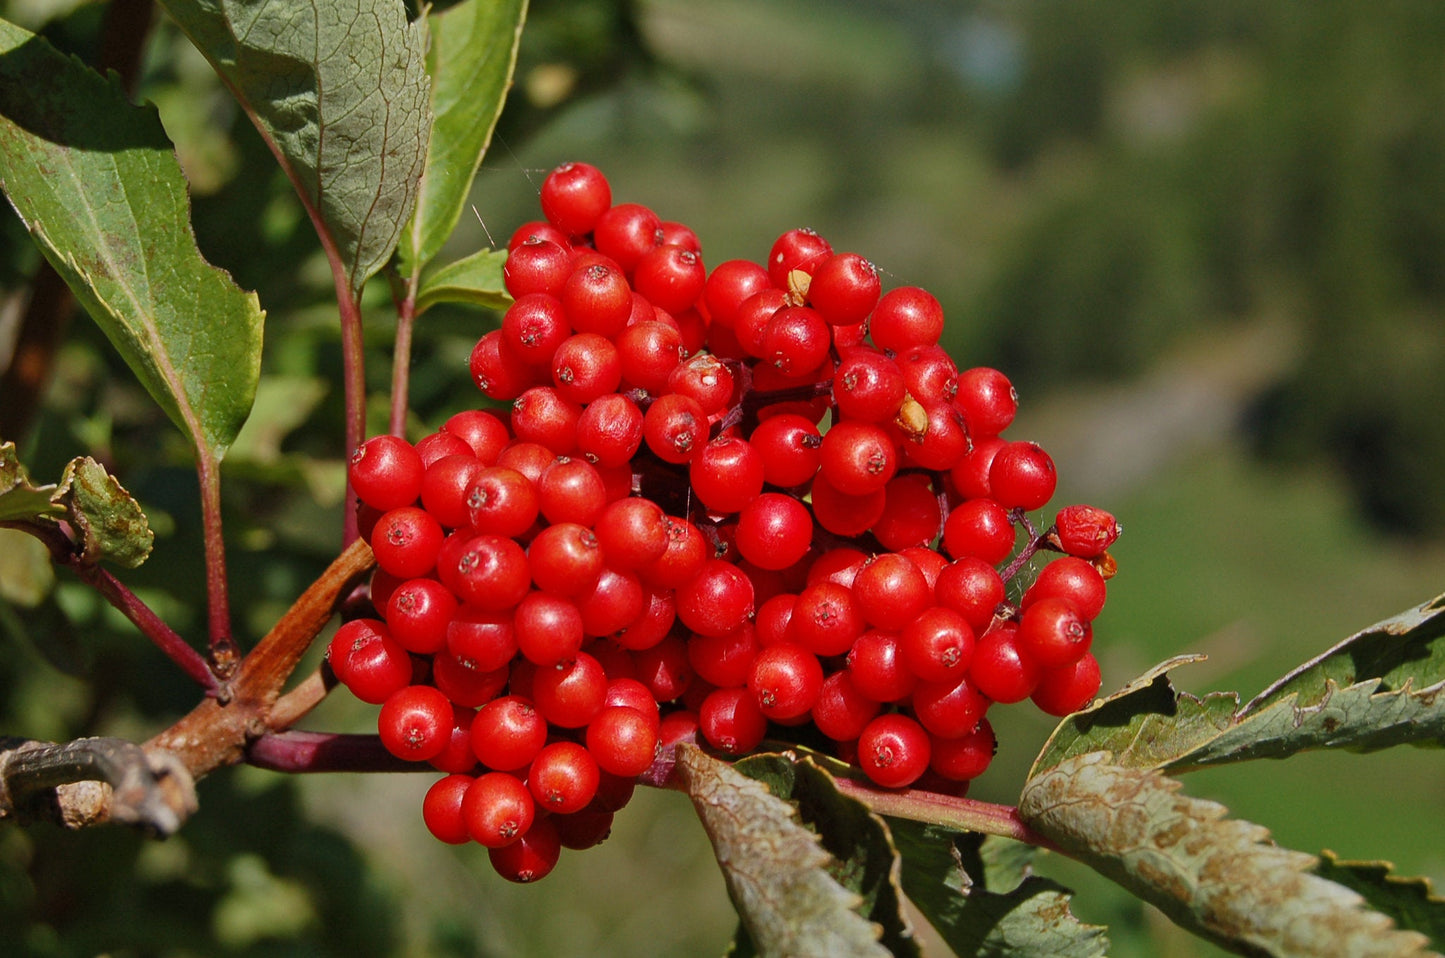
<point x="1206" y="239"/>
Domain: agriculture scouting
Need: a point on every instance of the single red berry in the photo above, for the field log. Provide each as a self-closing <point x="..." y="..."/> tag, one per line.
<point x="987" y="400"/>
<point x="728" y="285"/>
<point x="563" y="777"/>
<point x="507" y="733"/>
<point x="1073" y="579"/>
<point x="785" y="680"/>
<point x="406" y="542"/>
<point x="845" y="514"/>
<point x="616" y="601"/>
<point x="971" y="587"/>
<point x="531" y="857"/>
<point x="981" y="528"/>
<point x="574" y="196"/>
<point x="726" y="474"/>
<point x="632" y="532"/>
<point x="1068" y="689"/>
<point x="623" y="740"/>
<point x="498" y="371"/>
<point x="893" y="750"/>
<point x="609" y="431"/>
<point x="844" y="289"/>
<point x="906" y="318"/>
<point x="938" y="645"/>
<point x="717" y="600"/>
<point x="966" y="757"/>
<point x="949" y="709"/>
<point x="386" y="472"/>
<point x="857" y="458"/>
<point x="368" y="660"/>
<point x="418" y="612"/>
<point x="724" y="660"/>
<point x="441" y="809"/>
<point x="797" y="249"/>
<point x="548" y="628"/>
<point x="911" y="514"/>
<point x="1022" y="476"/>
<point x="572" y="693"/>
<point x="891" y="592"/>
<point x="1053" y="633"/>
<point x="483" y="638"/>
<point x="625" y="232"/>
<point x="675" y="428"/>
<point x="1085" y="531"/>
<point x="868" y="385"/>
<point x="497" y="809"/>
<point x="731" y="721"/>
<point x="502" y="502"/>
<point x="841" y="711"/>
<point x="444" y="488"/>
<point x="878" y="668"/>
<point x="670" y="276"/>
<point x="789" y="446"/>
<point x="1001" y="669"/>
<point x="536" y="265"/>
<point x="774" y="531"/>
<point x="415" y="722"/>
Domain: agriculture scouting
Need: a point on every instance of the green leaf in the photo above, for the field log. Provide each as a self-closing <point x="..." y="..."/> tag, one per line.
<point x="1220" y="878"/>
<point x="339" y="91"/>
<point x="470" y="60"/>
<point x="1409" y="901"/>
<point x="476" y="279"/>
<point x="97" y="183"/>
<point x="863" y="858"/>
<point x="110" y="523"/>
<point x="776" y="872"/>
<point x="20" y="499"/>
<point x="1146" y="724"/>
<point x="977" y="892"/>
<point x="26" y="575"/>
<point x="1378" y="688"/>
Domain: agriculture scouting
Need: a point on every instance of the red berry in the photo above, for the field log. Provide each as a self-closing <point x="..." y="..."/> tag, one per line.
<point x="386" y="472"/>
<point x="507" y="733"/>
<point x="415" y="723"/>
<point x="623" y="740"/>
<point x="1069" y="689"/>
<point x="497" y="809"/>
<point x="1022" y="476"/>
<point x="563" y="777"/>
<point x="774" y="531"/>
<point x="893" y="750"/>
<point x="1001" y="669"/>
<point x="785" y="680"/>
<point x="531" y="857"/>
<point x="574" y="196"/>
<point x="1085" y="531"/>
<point x="906" y="318"/>
<point x="1053" y="633"/>
<point x="844" y="289"/>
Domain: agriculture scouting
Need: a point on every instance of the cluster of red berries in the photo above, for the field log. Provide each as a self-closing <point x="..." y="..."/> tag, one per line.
<point x="660" y="541"/>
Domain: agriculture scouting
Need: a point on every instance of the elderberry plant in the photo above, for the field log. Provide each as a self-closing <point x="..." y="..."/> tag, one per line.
<point x="745" y="531"/>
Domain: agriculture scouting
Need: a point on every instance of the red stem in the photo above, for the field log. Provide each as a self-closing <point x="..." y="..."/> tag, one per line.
<point x="964" y="814"/>
<point x="401" y="359"/>
<point x="151" y="625"/>
<point x="225" y="654"/>
<point x="294" y="751"/>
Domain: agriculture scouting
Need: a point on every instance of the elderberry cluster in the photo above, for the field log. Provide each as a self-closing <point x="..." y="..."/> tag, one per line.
<point x="662" y="540"/>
